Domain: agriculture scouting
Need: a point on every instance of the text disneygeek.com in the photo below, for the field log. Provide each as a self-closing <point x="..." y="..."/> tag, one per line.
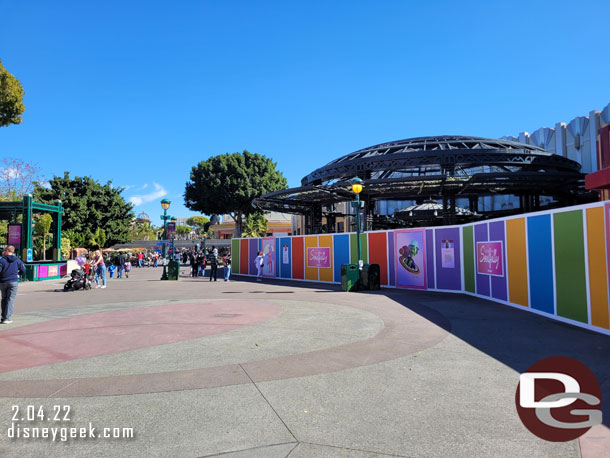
<point x="27" y="422"/>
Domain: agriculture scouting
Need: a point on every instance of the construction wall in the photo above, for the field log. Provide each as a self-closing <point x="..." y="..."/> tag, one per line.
<point x="552" y="263"/>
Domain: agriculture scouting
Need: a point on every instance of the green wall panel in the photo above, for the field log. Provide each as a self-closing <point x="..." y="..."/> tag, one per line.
<point x="235" y="256"/>
<point x="354" y="248"/>
<point x="570" y="278"/>
<point x="468" y="244"/>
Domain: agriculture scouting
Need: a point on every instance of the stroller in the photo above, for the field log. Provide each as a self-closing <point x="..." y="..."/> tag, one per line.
<point x="78" y="280"/>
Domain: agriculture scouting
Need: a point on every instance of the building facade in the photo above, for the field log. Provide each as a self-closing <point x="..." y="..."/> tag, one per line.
<point x="576" y="140"/>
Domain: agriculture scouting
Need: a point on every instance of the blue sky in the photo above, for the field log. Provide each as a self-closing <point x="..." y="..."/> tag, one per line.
<point x="138" y="92"/>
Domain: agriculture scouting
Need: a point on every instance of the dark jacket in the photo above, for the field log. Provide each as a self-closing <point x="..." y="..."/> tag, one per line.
<point x="10" y="268"/>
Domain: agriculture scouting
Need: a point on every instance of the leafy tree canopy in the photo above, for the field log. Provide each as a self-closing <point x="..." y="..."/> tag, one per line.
<point x="198" y="222"/>
<point x="183" y="230"/>
<point x="94" y="213"/>
<point x="255" y="225"/>
<point x="227" y="184"/>
<point x="11" y="98"/>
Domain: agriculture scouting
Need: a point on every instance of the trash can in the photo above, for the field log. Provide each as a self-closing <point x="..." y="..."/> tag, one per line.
<point x="349" y="277"/>
<point x="370" y="277"/>
<point x="173" y="270"/>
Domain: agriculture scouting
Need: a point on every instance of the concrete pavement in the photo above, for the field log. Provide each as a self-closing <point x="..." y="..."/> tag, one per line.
<point x="277" y="369"/>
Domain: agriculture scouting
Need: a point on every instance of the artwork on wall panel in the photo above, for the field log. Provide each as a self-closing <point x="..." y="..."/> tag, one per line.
<point x="410" y="255"/>
<point x="269" y="257"/>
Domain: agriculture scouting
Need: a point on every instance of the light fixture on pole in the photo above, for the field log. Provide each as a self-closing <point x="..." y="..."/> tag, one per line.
<point x="165" y="203"/>
<point x="357" y="189"/>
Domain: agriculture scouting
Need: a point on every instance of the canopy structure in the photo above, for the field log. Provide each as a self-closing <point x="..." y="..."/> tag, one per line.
<point x="442" y="168"/>
<point x="22" y="234"/>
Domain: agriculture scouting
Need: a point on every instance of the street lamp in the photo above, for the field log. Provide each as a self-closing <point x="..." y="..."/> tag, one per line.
<point x="173" y="219"/>
<point x="357" y="189"/>
<point x="165" y="203"/>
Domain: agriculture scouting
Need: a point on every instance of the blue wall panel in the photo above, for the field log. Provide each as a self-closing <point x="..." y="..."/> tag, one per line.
<point x="286" y="269"/>
<point x="341" y="252"/>
<point x="540" y="249"/>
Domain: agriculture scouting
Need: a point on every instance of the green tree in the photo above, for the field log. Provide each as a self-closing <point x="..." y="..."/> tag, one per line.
<point x="255" y="225"/>
<point x="143" y="231"/>
<point x="98" y="240"/>
<point x="183" y="230"/>
<point x="198" y="222"/>
<point x="66" y="247"/>
<point x="90" y="208"/>
<point x="41" y="229"/>
<point x="227" y="183"/>
<point x="11" y="98"/>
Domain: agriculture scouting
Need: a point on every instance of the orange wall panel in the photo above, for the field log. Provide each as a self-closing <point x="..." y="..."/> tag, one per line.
<point x="311" y="273"/>
<point x="327" y="274"/>
<point x="598" y="278"/>
<point x="516" y="256"/>
<point x="297" y="258"/>
<point x="243" y="256"/>
<point x="378" y="254"/>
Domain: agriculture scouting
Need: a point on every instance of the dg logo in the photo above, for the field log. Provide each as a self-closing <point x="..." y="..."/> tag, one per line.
<point x="559" y="399"/>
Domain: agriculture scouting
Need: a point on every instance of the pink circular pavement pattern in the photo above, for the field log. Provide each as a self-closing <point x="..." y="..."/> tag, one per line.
<point x="404" y="333"/>
<point x="103" y="333"/>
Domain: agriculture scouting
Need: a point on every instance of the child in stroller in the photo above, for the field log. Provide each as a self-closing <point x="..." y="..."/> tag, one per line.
<point x="79" y="279"/>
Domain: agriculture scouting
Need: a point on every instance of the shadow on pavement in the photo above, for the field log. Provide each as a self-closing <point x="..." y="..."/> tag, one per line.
<point x="516" y="338"/>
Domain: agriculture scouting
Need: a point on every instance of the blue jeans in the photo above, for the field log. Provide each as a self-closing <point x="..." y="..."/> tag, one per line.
<point x="101" y="273"/>
<point x="227" y="272"/>
<point x="9" y="292"/>
<point x="119" y="272"/>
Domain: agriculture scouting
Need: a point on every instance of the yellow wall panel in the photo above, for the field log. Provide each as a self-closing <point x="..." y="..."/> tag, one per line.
<point x="311" y="273"/>
<point x="516" y="255"/>
<point x="327" y="274"/>
<point x="598" y="278"/>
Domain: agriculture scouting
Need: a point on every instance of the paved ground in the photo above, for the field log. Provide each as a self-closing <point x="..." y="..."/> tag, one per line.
<point x="278" y="369"/>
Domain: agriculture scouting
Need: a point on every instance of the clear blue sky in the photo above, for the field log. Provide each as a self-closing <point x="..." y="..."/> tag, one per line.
<point x="138" y="92"/>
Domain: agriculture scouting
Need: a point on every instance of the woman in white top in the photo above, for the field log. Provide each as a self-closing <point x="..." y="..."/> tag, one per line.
<point x="259" y="262"/>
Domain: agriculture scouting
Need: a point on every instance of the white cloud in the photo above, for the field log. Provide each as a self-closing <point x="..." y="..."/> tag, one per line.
<point x="144" y="187"/>
<point x="144" y="198"/>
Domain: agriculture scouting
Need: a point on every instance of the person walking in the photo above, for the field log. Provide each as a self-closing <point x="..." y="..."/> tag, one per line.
<point x="140" y="259"/>
<point x="213" y="264"/>
<point x="193" y="261"/>
<point x="10" y="268"/>
<point x="227" y="267"/>
<point x="259" y="262"/>
<point x="100" y="268"/>
<point x="119" y="262"/>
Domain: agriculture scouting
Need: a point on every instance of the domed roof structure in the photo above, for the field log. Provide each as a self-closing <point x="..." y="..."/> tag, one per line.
<point x="444" y="168"/>
<point x="143" y="216"/>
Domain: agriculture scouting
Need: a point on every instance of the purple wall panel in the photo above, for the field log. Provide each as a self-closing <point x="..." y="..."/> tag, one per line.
<point x="448" y="278"/>
<point x="392" y="269"/>
<point x="430" y="258"/>
<point x="498" y="284"/>
<point x="482" y="281"/>
<point x="253" y="249"/>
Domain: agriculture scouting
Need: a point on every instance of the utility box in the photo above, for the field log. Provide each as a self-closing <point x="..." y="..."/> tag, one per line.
<point x="370" y="277"/>
<point x="173" y="270"/>
<point x="349" y="277"/>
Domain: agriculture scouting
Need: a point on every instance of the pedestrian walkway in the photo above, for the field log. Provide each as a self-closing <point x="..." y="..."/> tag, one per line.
<point x="244" y="369"/>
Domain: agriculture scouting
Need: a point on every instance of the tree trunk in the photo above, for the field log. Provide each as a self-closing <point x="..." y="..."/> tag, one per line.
<point x="44" y="247"/>
<point x="238" y="225"/>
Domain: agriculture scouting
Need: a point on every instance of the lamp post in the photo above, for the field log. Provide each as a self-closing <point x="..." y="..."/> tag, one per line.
<point x="165" y="206"/>
<point x="357" y="189"/>
<point x="173" y="219"/>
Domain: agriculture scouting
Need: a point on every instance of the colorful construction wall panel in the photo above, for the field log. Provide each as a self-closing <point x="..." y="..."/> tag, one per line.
<point x="553" y="263"/>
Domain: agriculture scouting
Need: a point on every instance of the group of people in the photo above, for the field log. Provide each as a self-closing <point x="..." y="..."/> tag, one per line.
<point x="199" y="260"/>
